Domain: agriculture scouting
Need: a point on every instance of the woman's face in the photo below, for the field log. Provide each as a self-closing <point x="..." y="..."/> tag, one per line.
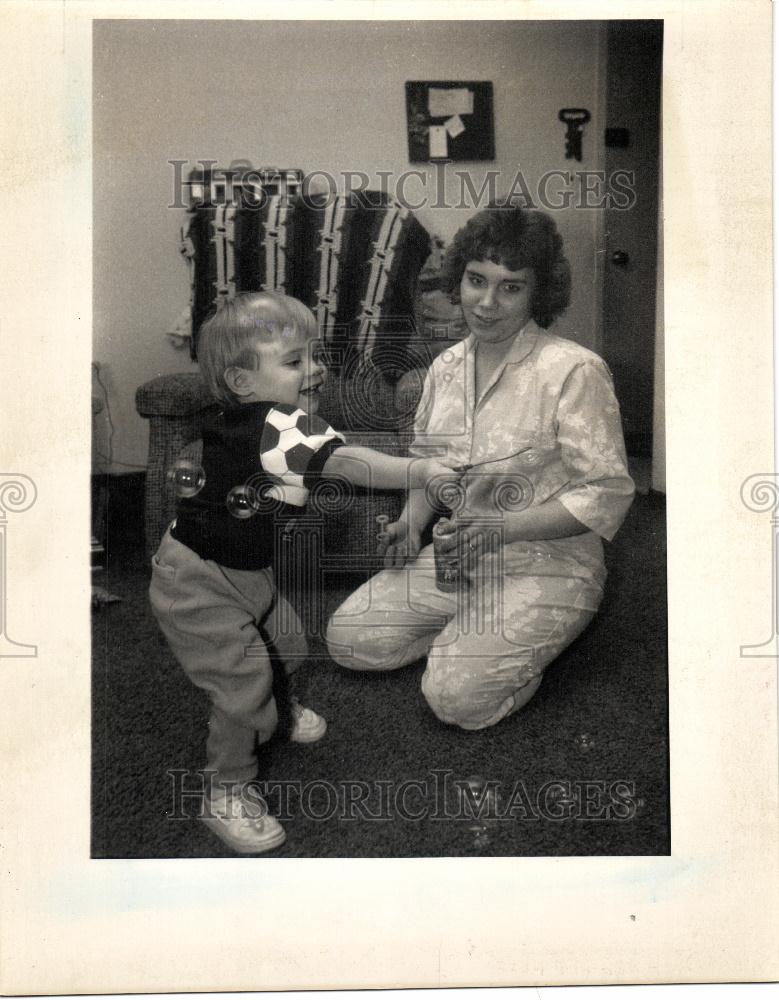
<point x="496" y="302"/>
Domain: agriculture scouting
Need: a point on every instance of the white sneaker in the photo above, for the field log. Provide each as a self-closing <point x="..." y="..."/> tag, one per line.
<point x="307" y="726"/>
<point x="242" y="821"/>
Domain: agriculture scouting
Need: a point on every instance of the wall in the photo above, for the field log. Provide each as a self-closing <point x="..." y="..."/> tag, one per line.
<point x="317" y="95"/>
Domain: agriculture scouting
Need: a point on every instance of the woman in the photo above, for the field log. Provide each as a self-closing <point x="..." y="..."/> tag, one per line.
<point x="534" y="420"/>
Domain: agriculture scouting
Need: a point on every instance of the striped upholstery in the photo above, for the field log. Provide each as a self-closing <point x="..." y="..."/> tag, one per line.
<point x="354" y="260"/>
<point x="232" y="249"/>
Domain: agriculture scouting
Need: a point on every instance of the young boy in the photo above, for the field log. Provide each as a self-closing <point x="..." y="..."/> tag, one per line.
<point x="213" y="590"/>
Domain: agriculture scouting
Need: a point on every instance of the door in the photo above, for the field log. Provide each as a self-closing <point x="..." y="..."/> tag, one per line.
<point x="633" y="77"/>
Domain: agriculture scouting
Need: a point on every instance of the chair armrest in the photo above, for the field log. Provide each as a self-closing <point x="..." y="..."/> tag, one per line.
<point x="180" y="395"/>
<point x="175" y="406"/>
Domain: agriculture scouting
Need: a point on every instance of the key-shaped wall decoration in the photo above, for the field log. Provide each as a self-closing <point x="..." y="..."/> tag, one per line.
<point x="575" y="119"/>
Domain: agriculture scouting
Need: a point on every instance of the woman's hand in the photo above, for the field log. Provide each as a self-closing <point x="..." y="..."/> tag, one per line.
<point x="464" y="536"/>
<point x="399" y="544"/>
<point x="473" y="536"/>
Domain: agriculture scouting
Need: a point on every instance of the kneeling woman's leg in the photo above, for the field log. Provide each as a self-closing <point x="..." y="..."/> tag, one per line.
<point x="489" y="660"/>
<point x="391" y="620"/>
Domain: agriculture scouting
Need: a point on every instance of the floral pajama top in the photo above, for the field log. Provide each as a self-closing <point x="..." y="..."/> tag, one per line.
<point x="546" y="426"/>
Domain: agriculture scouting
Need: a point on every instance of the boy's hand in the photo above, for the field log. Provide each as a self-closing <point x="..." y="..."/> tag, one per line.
<point x="436" y="475"/>
<point x="399" y="544"/>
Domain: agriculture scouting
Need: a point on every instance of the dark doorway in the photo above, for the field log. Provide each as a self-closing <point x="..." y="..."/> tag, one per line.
<point x="634" y="65"/>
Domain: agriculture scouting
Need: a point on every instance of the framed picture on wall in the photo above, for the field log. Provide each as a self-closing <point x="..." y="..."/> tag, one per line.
<point x="449" y="120"/>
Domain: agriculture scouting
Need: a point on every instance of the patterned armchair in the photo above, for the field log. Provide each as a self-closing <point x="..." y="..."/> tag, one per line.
<point x="363" y="264"/>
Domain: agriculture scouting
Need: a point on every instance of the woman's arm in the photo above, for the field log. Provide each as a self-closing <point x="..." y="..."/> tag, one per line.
<point x="418" y="512"/>
<point x="548" y="520"/>
<point x="592" y="448"/>
<point x="402" y="540"/>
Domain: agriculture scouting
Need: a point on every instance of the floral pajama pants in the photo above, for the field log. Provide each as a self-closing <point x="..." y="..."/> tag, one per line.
<point x="487" y="646"/>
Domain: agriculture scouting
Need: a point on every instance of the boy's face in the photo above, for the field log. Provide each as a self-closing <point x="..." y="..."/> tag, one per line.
<point x="290" y="371"/>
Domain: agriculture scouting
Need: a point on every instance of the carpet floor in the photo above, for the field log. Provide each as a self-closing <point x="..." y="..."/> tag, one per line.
<point x="582" y="770"/>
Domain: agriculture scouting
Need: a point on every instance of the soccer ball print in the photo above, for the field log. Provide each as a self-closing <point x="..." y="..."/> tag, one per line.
<point x="290" y="439"/>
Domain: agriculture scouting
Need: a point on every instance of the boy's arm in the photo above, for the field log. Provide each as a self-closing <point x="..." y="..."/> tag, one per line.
<point x="297" y="449"/>
<point x="373" y="469"/>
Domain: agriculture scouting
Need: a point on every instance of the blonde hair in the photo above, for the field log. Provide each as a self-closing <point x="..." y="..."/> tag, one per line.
<point x="228" y="337"/>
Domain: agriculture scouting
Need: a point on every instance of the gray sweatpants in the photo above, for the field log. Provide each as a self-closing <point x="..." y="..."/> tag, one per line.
<point x="212" y="618"/>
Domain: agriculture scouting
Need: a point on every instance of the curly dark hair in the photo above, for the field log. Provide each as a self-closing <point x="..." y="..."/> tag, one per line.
<point x="516" y="238"/>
